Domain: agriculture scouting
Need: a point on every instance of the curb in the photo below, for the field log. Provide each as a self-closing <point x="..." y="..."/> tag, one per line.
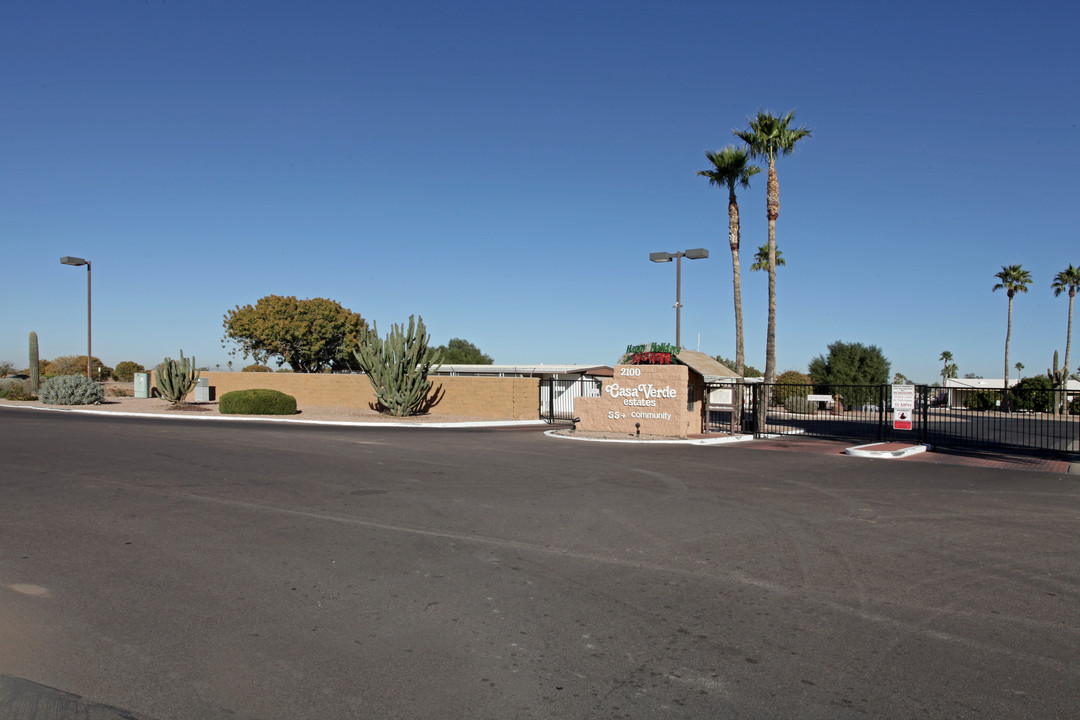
<point x="272" y="419"/>
<point x="633" y="441"/>
<point x="868" y="451"/>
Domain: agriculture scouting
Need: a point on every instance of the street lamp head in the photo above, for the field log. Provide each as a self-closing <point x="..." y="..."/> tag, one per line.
<point x="696" y="254"/>
<point x="661" y="257"/>
<point x="73" y="261"/>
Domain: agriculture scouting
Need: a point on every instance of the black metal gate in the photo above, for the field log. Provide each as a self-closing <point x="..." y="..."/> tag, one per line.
<point x="557" y="396"/>
<point x="1020" y="420"/>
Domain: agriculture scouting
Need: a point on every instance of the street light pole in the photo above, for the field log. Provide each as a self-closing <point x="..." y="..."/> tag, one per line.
<point x="659" y="257"/>
<point x="66" y="260"/>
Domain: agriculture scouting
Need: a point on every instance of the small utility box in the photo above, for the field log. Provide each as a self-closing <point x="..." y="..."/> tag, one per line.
<point x="202" y="390"/>
<point x="142" y="385"/>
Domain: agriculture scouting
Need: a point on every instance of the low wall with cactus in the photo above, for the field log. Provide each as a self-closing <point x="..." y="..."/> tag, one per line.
<point x="497" y="398"/>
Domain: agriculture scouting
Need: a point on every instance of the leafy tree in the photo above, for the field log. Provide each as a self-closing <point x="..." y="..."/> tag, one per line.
<point x="256" y="368"/>
<point x="76" y="365"/>
<point x="731" y="167"/>
<point x="310" y="335"/>
<point x="749" y="371"/>
<point x="972" y="376"/>
<point x="462" y="352"/>
<point x="850" y="364"/>
<point x="761" y="258"/>
<point x="126" y="369"/>
<point x="766" y="137"/>
<point x="1013" y="279"/>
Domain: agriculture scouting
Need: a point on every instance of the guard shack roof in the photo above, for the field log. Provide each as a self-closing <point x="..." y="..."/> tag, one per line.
<point x="714" y="372"/>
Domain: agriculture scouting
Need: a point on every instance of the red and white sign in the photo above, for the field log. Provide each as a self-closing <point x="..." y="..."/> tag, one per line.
<point x="901" y="419"/>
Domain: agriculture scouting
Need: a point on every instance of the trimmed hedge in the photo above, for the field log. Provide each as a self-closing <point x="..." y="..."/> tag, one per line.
<point x="257" y="402"/>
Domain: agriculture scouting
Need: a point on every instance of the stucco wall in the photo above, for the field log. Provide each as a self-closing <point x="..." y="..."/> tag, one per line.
<point x="497" y="398"/>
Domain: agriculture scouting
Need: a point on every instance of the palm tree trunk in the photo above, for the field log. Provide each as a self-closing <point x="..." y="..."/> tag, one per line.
<point x="1008" y="335"/>
<point x="773" y="210"/>
<point x="733" y="241"/>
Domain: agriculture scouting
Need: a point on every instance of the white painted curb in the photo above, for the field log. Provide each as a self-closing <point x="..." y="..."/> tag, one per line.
<point x="868" y="451"/>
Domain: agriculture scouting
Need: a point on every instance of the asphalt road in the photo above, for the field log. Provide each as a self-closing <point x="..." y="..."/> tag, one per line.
<point x="181" y="570"/>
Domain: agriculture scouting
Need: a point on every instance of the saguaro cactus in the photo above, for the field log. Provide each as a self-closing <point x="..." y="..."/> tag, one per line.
<point x="35" y="367"/>
<point x="176" y="378"/>
<point x="398" y="366"/>
<point x="1058" y="379"/>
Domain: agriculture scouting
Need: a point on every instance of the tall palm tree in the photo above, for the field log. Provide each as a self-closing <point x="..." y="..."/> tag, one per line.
<point x="761" y="258"/>
<point x="946" y="357"/>
<point x="1013" y="279"/>
<point x="1068" y="280"/>
<point x="731" y="167"/>
<point x="767" y="136"/>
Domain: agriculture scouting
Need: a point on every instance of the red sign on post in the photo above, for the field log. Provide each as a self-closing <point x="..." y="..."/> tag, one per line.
<point x="901" y="420"/>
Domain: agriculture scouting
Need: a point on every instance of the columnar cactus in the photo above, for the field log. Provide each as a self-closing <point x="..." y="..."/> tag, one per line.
<point x="35" y="367"/>
<point x="398" y="366"/>
<point x="1057" y="382"/>
<point x="176" y="378"/>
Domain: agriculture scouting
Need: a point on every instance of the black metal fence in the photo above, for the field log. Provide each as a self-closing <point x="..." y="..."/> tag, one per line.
<point x="1018" y="419"/>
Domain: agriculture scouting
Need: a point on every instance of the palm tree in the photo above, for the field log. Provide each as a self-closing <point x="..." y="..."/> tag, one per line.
<point x="761" y="258"/>
<point x="731" y="167"/>
<point x="1019" y="368"/>
<point x="946" y="357"/>
<point x="768" y="135"/>
<point x="1013" y="279"/>
<point x="1068" y="280"/>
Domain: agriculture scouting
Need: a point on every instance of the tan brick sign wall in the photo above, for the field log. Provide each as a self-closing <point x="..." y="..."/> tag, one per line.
<point x="496" y="398"/>
<point x="654" y="395"/>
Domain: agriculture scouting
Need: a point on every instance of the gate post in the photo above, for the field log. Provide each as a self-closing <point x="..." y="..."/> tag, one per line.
<point x="881" y="413"/>
<point x="756" y="397"/>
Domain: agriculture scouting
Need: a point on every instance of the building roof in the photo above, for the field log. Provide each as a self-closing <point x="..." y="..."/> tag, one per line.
<point x="994" y="384"/>
<point x="523" y="370"/>
<point x="708" y="367"/>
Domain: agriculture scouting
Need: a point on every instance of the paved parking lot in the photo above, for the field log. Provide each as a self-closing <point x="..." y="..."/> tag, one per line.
<point x="212" y="570"/>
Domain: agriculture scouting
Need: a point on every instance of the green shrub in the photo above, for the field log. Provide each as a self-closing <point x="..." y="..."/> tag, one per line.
<point x="257" y="402"/>
<point x="1031" y="394"/>
<point x="790" y="384"/>
<point x="1074" y="406"/>
<point x="71" y="390"/>
<point x="800" y="405"/>
<point x="256" y="368"/>
<point x="15" y="389"/>
<point x="981" y="400"/>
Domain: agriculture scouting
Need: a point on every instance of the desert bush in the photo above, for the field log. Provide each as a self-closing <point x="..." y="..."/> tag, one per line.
<point x="113" y="391"/>
<point x="15" y="389"/>
<point x="256" y="368"/>
<point x="981" y="400"/>
<point x="7" y="368"/>
<point x="71" y="390"/>
<point x="257" y="401"/>
<point x="126" y="369"/>
<point x="800" y="405"/>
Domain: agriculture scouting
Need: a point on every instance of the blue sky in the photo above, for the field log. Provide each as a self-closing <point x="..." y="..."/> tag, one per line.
<point x="505" y="168"/>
